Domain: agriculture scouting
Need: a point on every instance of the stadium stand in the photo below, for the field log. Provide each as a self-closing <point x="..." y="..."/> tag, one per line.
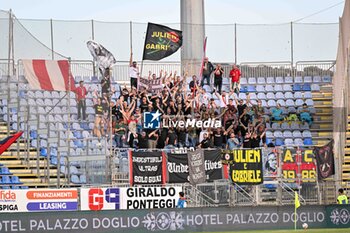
<point x="52" y="132"/>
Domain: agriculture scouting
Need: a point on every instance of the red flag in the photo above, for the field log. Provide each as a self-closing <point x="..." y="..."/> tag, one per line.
<point x="48" y="75"/>
<point x="7" y="142"/>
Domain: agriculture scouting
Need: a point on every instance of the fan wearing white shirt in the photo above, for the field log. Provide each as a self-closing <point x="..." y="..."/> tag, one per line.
<point x="133" y="72"/>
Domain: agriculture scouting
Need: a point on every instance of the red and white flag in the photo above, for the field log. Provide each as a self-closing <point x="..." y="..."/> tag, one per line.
<point x="48" y="75"/>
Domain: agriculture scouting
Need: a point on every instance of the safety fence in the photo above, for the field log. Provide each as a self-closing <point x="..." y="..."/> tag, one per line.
<point x="235" y="43"/>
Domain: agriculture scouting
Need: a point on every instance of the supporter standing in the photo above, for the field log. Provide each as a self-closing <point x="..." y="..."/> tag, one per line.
<point x="119" y="133"/>
<point x="133" y="72"/>
<point x="342" y="198"/>
<point x="98" y="118"/>
<point x="218" y="72"/>
<point x="152" y="139"/>
<point x="106" y="83"/>
<point x="207" y="69"/>
<point x="235" y="75"/>
<point x="80" y="93"/>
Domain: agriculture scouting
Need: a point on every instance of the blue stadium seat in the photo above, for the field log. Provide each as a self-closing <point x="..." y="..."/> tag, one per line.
<point x="244" y="89"/>
<point x="251" y="88"/>
<point x="261" y="96"/>
<point x="15" y="187"/>
<point x="279" y="142"/>
<point x="287" y="87"/>
<point x="94" y="79"/>
<point x="261" y="80"/>
<point x="285" y="125"/>
<point x="279" y="95"/>
<point x="317" y="79"/>
<point x="279" y="80"/>
<point x="297" y="134"/>
<point x="315" y="87"/>
<point x="297" y="87"/>
<point x="15" y="180"/>
<point x="298" y="142"/>
<point x="289" y="142"/>
<point x="327" y="79"/>
<point x="6" y="180"/>
<point x="269" y="88"/>
<point x="306" y="134"/>
<point x="288" y="95"/>
<point x="75" y="179"/>
<point x="307" y="87"/>
<point x="43" y="151"/>
<point x="281" y="102"/>
<point x="24" y="187"/>
<point x="288" y="79"/>
<point x="270" y="80"/>
<point x="278" y="87"/>
<point x="307" y="79"/>
<point x="83" y="179"/>
<point x="308" y="141"/>
<point x="270" y="95"/>
<point x="5" y="171"/>
<point x="287" y="134"/>
<point x="298" y="79"/>
<point x="252" y="80"/>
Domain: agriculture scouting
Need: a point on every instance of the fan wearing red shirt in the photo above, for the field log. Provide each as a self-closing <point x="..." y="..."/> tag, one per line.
<point x="235" y="75"/>
<point x="80" y="93"/>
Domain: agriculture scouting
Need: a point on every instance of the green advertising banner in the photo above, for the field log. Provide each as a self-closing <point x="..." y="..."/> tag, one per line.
<point x="338" y="216"/>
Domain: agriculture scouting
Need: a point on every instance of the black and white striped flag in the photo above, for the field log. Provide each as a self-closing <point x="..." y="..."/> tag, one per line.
<point x="101" y="55"/>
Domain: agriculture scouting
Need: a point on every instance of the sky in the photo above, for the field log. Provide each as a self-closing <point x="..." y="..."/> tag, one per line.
<point x="168" y="11"/>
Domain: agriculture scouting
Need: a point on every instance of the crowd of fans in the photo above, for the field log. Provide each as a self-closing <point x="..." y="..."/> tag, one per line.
<point x="243" y="122"/>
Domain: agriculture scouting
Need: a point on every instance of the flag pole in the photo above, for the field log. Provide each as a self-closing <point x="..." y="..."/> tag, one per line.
<point x="295" y="217"/>
<point x="202" y="62"/>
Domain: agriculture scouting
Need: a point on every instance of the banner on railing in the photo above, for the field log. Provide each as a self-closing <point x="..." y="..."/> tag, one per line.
<point x="270" y="157"/>
<point x="298" y="163"/>
<point x="196" y="167"/>
<point x="213" y="165"/>
<point x="177" y="164"/>
<point x="152" y="85"/>
<point x="245" y="166"/>
<point x="147" y="167"/>
<point x="38" y="200"/>
<point x="325" y="160"/>
<point x="129" y="198"/>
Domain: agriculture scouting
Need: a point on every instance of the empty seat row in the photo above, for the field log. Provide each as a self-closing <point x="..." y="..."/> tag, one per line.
<point x="290" y="141"/>
<point x="287" y="79"/>
<point x="289" y="134"/>
<point x="280" y="88"/>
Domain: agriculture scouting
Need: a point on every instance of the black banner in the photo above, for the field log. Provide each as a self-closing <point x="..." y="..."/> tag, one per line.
<point x="246" y="168"/>
<point x="147" y="168"/>
<point x="213" y="164"/>
<point x="177" y="168"/>
<point x="325" y="160"/>
<point x="161" y="42"/>
<point x="196" y="167"/>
